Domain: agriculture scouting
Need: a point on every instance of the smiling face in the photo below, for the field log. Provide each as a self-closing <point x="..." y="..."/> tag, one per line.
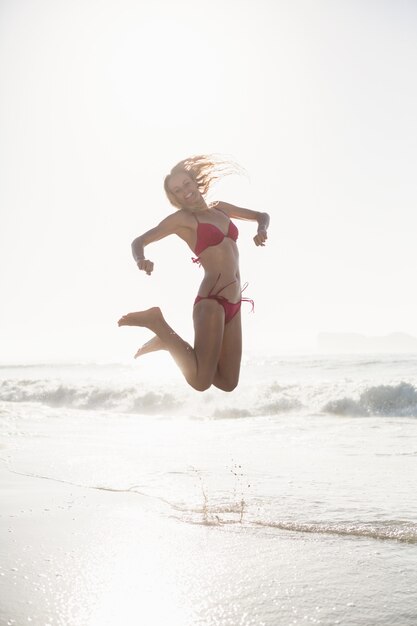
<point x="183" y="191"/>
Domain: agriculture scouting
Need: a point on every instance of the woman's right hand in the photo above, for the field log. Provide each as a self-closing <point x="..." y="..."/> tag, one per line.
<point x="146" y="266"/>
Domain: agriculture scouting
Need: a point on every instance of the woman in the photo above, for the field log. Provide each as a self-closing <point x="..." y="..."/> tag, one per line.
<point x="209" y="232"/>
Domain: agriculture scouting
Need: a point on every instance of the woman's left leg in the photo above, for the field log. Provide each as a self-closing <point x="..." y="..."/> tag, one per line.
<point x="228" y="368"/>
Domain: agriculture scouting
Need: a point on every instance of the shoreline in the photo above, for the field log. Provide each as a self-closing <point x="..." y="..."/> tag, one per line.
<point x="82" y="556"/>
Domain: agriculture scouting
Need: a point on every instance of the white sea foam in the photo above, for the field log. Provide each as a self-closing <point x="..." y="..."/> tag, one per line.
<point x="384" y="400"/>
<point x="261" y="399"/>
<point x="394" y="530"/>
<point x="54" y="393"/>
<point x="397" y="530"/>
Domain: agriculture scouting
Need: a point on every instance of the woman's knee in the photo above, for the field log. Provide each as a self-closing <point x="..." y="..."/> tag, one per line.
<point x="227" y="385"/>
<point x="200" y="384"/>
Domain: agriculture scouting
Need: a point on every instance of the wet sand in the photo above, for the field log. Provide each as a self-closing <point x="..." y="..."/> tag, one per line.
<point x="79" y="556"/>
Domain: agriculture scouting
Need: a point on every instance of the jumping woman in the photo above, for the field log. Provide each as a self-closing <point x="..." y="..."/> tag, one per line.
<point x="208" y="230"/>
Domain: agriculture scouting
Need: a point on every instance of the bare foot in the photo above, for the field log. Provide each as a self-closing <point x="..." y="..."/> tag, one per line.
<point x="152" y="345"/>
<point x="142" y="318"/>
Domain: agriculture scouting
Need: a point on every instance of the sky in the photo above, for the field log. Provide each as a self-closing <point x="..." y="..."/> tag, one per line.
<point x="100" y="98"/>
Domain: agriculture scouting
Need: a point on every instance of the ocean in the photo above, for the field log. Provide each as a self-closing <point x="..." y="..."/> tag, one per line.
<point x="291" y="500"/>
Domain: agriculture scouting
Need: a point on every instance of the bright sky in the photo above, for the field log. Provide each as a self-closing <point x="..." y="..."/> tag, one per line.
<point x="317" y="100"/>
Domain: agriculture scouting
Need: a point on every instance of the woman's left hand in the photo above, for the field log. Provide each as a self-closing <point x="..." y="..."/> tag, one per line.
<point x="260" y="238"/>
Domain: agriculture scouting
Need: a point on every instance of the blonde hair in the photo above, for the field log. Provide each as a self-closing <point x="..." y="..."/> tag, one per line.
<point x="204" y="169"/>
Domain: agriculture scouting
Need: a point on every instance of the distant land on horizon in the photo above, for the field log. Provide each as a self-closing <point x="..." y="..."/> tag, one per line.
<point x="356" y="342"/>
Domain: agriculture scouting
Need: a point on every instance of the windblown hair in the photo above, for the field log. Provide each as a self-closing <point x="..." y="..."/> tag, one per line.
<point x="204" y="169"/>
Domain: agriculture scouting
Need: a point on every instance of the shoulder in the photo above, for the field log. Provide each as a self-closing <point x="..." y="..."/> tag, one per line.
<point x="177" y="223"/>
<point x="173" y="221"/>
<point x="225" y="207"/>
<point x="238" y="212"/>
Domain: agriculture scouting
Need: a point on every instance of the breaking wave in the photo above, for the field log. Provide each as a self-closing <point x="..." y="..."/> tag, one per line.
<point x="398" y="400"/>
<point x="55" y="394"/>
<point x="382" y="400"/>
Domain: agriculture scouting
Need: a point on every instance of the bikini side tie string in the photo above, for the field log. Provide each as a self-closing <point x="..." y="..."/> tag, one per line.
<point x="247" y="299"/>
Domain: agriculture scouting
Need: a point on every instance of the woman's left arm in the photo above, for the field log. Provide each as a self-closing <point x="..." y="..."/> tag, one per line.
<point x="247" y="214"/>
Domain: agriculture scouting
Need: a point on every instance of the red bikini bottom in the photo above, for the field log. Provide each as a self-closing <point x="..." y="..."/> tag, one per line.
<point x="230" y="308"/>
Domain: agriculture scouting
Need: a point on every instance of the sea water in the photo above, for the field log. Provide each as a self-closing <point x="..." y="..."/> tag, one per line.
<point x="319" y="452"/>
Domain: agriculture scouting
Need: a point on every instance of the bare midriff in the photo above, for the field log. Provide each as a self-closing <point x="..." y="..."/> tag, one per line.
<point x="221" y="267"/>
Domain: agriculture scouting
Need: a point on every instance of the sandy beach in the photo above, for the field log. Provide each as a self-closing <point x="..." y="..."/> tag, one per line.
<point x="74" y="556"/>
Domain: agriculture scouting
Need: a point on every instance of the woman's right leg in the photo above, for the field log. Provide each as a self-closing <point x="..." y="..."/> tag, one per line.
<point x="198" y="365"/>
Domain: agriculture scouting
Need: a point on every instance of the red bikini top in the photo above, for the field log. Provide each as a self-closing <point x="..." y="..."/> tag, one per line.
<point x="210" y="235"/>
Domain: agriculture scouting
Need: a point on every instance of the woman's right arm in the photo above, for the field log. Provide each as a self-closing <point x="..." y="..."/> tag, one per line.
<point x="168" y="226"/>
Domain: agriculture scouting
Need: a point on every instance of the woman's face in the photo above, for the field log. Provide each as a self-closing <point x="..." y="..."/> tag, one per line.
<point x="185" y="190"/>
